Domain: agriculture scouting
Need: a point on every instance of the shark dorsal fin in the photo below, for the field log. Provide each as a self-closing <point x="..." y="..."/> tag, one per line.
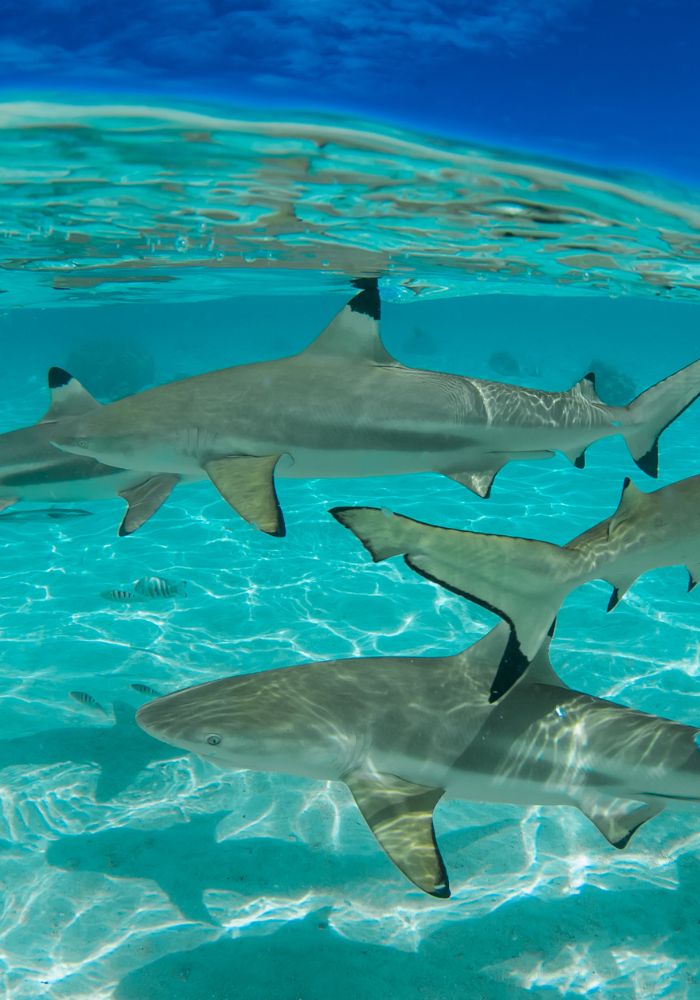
<point x="68" y="397"/>
<point x="586" y="387"/>
<point x="631" y="500"/>
<point x="354" y="332"/>
<point x="541" y="670"/>
<point x="400" y="815"/>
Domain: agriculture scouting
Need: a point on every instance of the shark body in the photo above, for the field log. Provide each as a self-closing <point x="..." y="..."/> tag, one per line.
<point x="402" y="733"/>
<point x="345" y="407"/>
<point x="526" y="581"/>
<point x="32" y="470"/>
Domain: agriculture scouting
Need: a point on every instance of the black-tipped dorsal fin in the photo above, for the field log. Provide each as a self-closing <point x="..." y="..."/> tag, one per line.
<point x="541" y="670"/>
<point x="617" y="819"/>
<point x="586" y="387"/>
<point x="354" y="332"/>
<point x="400" y="815"/>
<point x="68" y="397"/>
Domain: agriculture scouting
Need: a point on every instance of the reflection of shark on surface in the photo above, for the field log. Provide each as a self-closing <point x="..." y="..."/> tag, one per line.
<point x="404" y="732"/>
<point x="120" y="751"/>
<point x="31" y="469"/>
<point x="526" y="581"/>
<point x="345" y="407"/>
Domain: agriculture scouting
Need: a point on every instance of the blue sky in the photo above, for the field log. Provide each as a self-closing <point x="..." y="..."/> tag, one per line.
<point x="603" y="81"/>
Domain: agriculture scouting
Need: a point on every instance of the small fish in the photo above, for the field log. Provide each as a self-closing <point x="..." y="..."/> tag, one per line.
<point x="121" y="596"/>
<point x="158" y="586"/>
<point x="45" y="513"/>
<point x="86" y="699"/>
<point x="146" y="689"/>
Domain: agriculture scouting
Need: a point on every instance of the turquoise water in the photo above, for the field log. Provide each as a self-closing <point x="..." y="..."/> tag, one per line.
<point x="133" y="871"/>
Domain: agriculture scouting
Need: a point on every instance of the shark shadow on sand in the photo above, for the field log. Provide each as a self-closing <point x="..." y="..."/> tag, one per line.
<point x="185" y="860"/>
<point x="120" y="751"/>
<point x="474" y="957"/>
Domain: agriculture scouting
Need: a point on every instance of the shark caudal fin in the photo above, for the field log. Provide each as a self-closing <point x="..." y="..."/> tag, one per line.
<point x="652" y="411"/>
<point x="521" y="580"/>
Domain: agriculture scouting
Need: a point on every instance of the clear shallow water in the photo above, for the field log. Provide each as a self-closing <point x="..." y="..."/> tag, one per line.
<point x="131" y="871"/>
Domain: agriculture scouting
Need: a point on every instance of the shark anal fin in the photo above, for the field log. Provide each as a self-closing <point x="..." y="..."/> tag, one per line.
<point x="6" y="502"/>
<point x="479" y="482"/>
<point x="68" y="397"/>
<point x="247" y="483"/>
<point x="617" y="819"/>
<point x="144" y="500"/>
<point x="400" y="815"/>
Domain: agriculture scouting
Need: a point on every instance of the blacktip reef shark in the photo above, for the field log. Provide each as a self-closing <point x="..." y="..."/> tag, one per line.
<point x="345" y="407"/>
<point x="526" y="581"/>
<point x="31" y="469"/>
<point x="402" y="733"/>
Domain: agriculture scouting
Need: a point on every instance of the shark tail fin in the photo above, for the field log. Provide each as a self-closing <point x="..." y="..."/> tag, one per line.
<point x="654" y="410"/>
<point x="521" y="580"/>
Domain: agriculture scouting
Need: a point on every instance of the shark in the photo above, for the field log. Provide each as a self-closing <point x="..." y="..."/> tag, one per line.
<point x="344" y="407"/>
<point x="32" y="470"/>
<point x="403" y="733"/>
<point x="526" y="581"/>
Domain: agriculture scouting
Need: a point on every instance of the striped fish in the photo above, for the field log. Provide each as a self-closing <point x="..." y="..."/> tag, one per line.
<point x="121" y="596"/>
<point x="146" y="689"/>
<point x="158" y="586"/>
<point x="86" y="699"/>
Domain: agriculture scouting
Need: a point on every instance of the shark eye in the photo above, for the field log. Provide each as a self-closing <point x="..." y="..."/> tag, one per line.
<point x="213" y="740"/>
<point x="81" y="442"/>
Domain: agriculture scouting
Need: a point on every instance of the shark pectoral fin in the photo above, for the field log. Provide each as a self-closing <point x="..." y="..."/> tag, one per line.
<point x="400" y="815"/>
<point x="693" y="576"/>
<point x="68" y="397"/>
<point x="144" y="500"/>
<point x="478" y="482"/>
<point x="247" y="483"/>
<point x="617" y="819"/>
<point x="7" y="502"/>
<point x="354" y="332"/>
